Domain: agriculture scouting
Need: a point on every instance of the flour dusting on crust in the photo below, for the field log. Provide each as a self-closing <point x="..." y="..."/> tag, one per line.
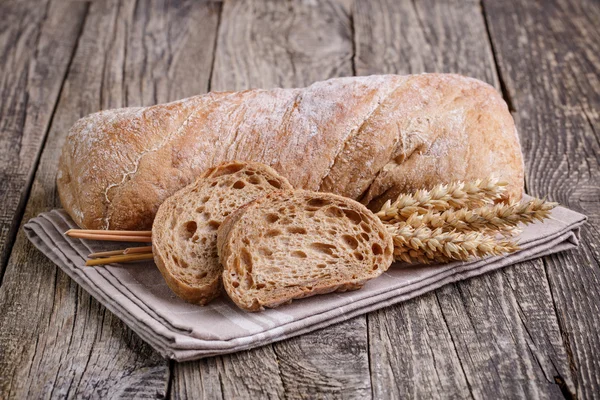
<point x="362" y="137"/>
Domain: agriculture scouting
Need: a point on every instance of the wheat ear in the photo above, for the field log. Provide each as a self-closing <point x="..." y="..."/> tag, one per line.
<point x="425" y="245"/>
<point x="456" y="195"/>
<point x="500" y="218"/>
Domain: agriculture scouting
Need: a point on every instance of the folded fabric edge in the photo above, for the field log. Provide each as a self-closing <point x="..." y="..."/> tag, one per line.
<point x="453" y="268"/>
<point x="160" y="343"/>
<point x="364" y="306"/>
<point x="110" y="278"/>
<point x="172" y="350"/>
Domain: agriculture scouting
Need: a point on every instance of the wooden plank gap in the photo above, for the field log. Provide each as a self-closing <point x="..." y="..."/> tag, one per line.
<point x="449" y="330"/>
<point x="170" y="371"/>
<point x="564" y="336"/>
<point x="503" y="89"/>
<point x="422" y="26"/>
<point x="558" y="379"/>
<point x="369" y="361"/>
<point x="353" y="36"/>
<point x="214" y="49"/>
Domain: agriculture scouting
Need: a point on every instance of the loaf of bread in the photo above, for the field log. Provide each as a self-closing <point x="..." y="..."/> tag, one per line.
<point x="297" y="243"/>
<point x="367" y="138"/>
<point x="184" y="233"/>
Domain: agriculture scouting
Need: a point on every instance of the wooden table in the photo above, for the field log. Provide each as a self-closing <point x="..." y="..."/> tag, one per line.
<point x="528" y="331"/>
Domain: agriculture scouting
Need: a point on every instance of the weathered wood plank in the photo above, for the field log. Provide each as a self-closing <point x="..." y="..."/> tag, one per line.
<point x="548" y="54"/>
<point x="330" y="363"/>
<point x="55" y="340"/>
<point x="250" y="374"/>
<point x="285" y="44"/>
<point x="37" y="40"/>
<point x="515" y="347"/>
<point x="177" y="40"/>
<point x="505" y="349"/>
<point x="200" y="380"/>
<point x="412" y="353"/>
<point x="411" y="37"/>
<point x="281" y="44"/>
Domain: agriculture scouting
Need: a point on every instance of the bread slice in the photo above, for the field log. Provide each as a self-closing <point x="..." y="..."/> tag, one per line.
<point x="184" y="233"/>
<point x="293" y="244"/>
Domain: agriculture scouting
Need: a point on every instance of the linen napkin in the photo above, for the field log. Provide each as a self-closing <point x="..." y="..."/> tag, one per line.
<point x="138" y="294"/>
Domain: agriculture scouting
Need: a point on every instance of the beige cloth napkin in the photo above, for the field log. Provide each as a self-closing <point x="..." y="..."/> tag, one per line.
<point x="138" y="295"/>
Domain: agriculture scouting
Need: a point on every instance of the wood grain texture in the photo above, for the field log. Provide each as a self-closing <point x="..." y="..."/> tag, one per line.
<point x="412" y="353"/>
<point x="200" y="380"/>
<point x="250" y="374"/>
<point x="329" y="363"/>
<point x="551" y="70"/>
<point x="37" y="40"/>
<point x="55" y="340"/>
<point x="515" y="347"/>
<point x="169" y="51"/>
<point x="412" y="37"/>
<point x="528" y="331"/>
<point x="504" y="349"/>
<point x="267" y="44"/>
<point x="285" y="44"/>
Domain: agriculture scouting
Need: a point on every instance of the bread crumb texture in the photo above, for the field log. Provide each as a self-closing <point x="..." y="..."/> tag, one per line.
<point x="184" y="233"/>
<point x="293" y="244"/>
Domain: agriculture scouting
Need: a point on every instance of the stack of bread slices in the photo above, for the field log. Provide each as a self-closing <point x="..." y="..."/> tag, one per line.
<point x="242" y="228"/>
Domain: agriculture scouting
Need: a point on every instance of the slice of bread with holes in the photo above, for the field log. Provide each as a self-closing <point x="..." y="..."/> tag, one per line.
<point x="184" y="233"/>
<point x="293" y="244"/>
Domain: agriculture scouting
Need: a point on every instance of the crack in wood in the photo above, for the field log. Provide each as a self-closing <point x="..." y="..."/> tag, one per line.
<point x="567" y="393"/>
<point x="369" y="359"/>
<point x="169" y="380"/>
<point x="462" y="367"/>
<point x="214" y="48"/>
<point x="503" y="89"/>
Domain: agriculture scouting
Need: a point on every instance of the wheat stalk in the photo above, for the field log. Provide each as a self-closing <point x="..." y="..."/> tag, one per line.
<point x="457" y="221"/>
<point x="455" y="195"/>
<point x="500" y="218"/>
<point x="425" y="245"/>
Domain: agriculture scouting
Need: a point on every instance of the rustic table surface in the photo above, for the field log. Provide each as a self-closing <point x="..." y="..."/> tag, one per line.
<point x="528" y="331"/>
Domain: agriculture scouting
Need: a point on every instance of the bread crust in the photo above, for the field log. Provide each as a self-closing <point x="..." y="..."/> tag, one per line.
<point x="367" y="138"/>
<point x="192" y="294"/>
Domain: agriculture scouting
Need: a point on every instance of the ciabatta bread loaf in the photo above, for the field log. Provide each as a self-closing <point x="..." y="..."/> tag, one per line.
<point x="184" y="233"/>
<point x="293" y="244"/>
<point x="367" y="138"/>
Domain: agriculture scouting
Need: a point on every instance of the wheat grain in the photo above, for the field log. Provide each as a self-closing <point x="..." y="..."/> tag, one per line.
<point x="500" y="218"/>
<point x="455" y="195"/>
<point x="425" y="245"/>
